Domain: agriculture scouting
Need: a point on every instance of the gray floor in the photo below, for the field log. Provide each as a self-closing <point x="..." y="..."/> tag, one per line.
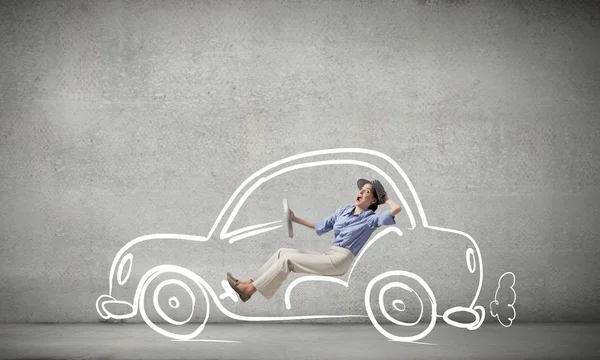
<point x="298" y="341"/>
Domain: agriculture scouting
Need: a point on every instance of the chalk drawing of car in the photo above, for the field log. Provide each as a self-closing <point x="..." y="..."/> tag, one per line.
<point x="395" y="276"/>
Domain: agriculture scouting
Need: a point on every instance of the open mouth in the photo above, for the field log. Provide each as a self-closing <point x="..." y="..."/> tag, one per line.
<point x="358" y="198"/>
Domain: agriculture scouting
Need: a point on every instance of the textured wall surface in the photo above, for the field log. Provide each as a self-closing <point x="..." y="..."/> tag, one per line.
<point x="123" y="119"/>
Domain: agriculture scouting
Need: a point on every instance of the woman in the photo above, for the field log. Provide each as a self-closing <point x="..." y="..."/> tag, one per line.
<point x="352" y="225"/>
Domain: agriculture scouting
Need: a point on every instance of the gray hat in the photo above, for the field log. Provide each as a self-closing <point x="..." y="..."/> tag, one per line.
<point x="379" y="190"/>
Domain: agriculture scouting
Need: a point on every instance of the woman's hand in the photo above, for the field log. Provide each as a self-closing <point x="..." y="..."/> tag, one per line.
<point x="394" y="208"/>
<point x="292" y="215"/>
<point x="307" y="223"/>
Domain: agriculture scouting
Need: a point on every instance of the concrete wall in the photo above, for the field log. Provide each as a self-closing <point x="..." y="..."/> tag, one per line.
<point x="123" y="119"/>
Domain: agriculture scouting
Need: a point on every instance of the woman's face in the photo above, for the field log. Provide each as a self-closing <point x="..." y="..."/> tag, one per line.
<point x="365" y="197"/>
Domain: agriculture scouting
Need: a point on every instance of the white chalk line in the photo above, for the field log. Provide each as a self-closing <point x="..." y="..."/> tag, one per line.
<point x="207" y="340"/>
<point x="244" y="232"/>
<point x="418" y="342"/>
<point x="510" y="305"/>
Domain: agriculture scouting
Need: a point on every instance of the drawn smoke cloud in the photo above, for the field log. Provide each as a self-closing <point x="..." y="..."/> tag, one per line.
<point x="502" y="308"/>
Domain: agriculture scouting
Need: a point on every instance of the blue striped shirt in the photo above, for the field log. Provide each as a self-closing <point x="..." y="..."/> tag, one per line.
<point x="352" y="231"/>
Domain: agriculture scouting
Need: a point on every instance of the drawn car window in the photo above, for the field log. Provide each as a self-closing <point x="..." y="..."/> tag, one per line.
<point x="313" y="193"/>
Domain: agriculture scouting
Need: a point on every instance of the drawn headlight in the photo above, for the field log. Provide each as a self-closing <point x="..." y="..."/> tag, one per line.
<point x="125" y="262"/>
<point x="471" y="259"/>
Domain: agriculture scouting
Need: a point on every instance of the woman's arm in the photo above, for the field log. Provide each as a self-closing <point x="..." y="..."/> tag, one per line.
<point x="307" y="223"/>
<point x="394" y="208"/>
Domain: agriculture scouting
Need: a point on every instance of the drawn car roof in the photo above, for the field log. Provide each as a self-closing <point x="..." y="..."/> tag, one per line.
<point x="279" y="167"/>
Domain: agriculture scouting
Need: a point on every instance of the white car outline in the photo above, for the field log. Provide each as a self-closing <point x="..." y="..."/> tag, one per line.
<point x="123" y="258"/>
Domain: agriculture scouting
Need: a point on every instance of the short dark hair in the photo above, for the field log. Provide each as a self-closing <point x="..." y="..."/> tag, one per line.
<point x="374" y="206"/>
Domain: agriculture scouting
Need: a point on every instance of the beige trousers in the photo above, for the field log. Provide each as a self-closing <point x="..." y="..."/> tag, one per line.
<point x="269" y="278"/>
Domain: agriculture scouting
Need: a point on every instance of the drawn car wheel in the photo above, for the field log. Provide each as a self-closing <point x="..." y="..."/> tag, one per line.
<point x="396" y="279"/>
<point x="173" y="303"/>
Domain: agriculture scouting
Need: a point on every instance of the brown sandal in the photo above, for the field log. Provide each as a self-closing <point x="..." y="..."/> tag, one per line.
<point x="244" y="297"/>
<point x="229" y="276"/>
